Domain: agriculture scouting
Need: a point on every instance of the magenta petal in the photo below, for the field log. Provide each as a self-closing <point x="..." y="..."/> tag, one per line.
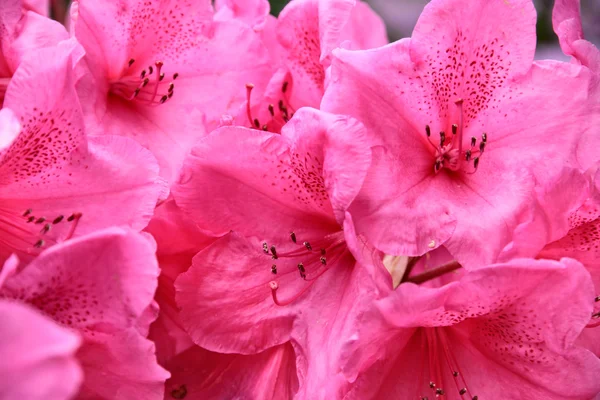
<point x="37" y="356"/>
<point x="269" y="375"/>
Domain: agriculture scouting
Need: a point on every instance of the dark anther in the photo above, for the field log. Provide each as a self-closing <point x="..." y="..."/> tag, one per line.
<point x="58" y="219"/>
<point x="455" y="374"/>
<point x="45" y="229"/>
<point x="163" y="99"/>
<point x="40" y="220"/>
<point x="481" y="147"/>
<point x="284" y="87"/>
<point x="271" y="110"/>
<point x="171" y="94"/>
<point x="131" y="61"/>
<point x="39" y="244"/>
<point x="293" y="237"/>
<point x="427" y="130"/>
<point x="266" y="248"/>
<point x="454" y="129"/>
<point x="27" y="212"/>
<point x="143" y="74"/>
<point x="280" y="105"/>
<point x="468" y="155"/>
<point x="476" y="162"/>
<point x="136" y="92"/>
<point x="475" y="398"/>
<point x="150" y="69"/>
<point x="30" y="219"/>
<point x="145" y="82"/>
<point x="597" y="298"/>
<point x="473" y="141"/>
<point x="73" y="216"/>
<point x="161" y="76"/>
<point x="307" y="245"/>
<point x="323" y="260"/>
<point x="323" y="251"/>
<point x="171" y="86"/>
<point x="596" y="315"/>
<point x="442" y="138"/>
<point x="256" y="123"/>
<point x="438" y="165"/>
<point x="179" y="393"/>
<point x="274" y="269"/>
<point x="462" y="391"/>
<point x="439" y="391"/>
<point x="425" y="398"/>
<point x="274" y="252"/>
<point x="265" y="128"/>
<point x="484" y="137"/>
<point x="301" y="268"/>
<point x="175" y="75"/>
<point x="431" y="385"/>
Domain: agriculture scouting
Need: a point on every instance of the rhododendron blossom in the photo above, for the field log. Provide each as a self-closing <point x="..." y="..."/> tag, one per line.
<point x="451" y="110"/>
<point x="209" y="199"/>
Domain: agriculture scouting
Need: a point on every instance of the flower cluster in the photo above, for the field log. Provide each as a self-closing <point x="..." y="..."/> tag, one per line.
<point x="199" y="200"/>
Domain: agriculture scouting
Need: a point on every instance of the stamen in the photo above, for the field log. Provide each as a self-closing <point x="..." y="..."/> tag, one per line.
<point x="293" y="237"/>
<point x="27" y="212"/>
<point x="307" y="245"/>
<point x="274" y="252"/>
<point x="427" y="130"/>
<point x="265" y="247"/>
<point x="131" y="61"/>
<point x="284" y="87"/>
<point x="454" y="129"/>
<point x="274" y="269"/>
<point x="473" y="141"/>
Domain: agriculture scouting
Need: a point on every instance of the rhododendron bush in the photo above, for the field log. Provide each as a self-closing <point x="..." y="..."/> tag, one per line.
<point x="199" y="200"/>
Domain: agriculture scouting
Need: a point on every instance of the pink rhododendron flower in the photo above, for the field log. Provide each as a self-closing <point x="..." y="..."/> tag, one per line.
<point x="502" y="331"/>
<point x="289" y="190"/>
<point x="163" y="83"/>
<point x="100" y="286"/>
<point x="37" y="356"/>
<point x="55" y="182"/>
<point x="201" y="374"/>
<point x="21" y="32"/>
<point x="459" y="138"/>
<point x="306" y="32"/>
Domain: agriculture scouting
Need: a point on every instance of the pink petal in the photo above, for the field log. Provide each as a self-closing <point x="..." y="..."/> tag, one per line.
<point x="270" y="184"/>
<point x="9" y="128"/>
<point x="37" y="357"/>
<point x="110" y="292"/>
<point x="121" y="366"/>
<point x="206" y="375"/>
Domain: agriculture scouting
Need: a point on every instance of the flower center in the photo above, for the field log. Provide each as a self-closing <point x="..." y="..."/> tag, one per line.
<point x="277" y="116"/>
<point x="449" y="150"/>
<point x="439" y="364"/>
<point x="148" y="86"/>
<point x="306" y="260"/>
<point x="28" y="234"/>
